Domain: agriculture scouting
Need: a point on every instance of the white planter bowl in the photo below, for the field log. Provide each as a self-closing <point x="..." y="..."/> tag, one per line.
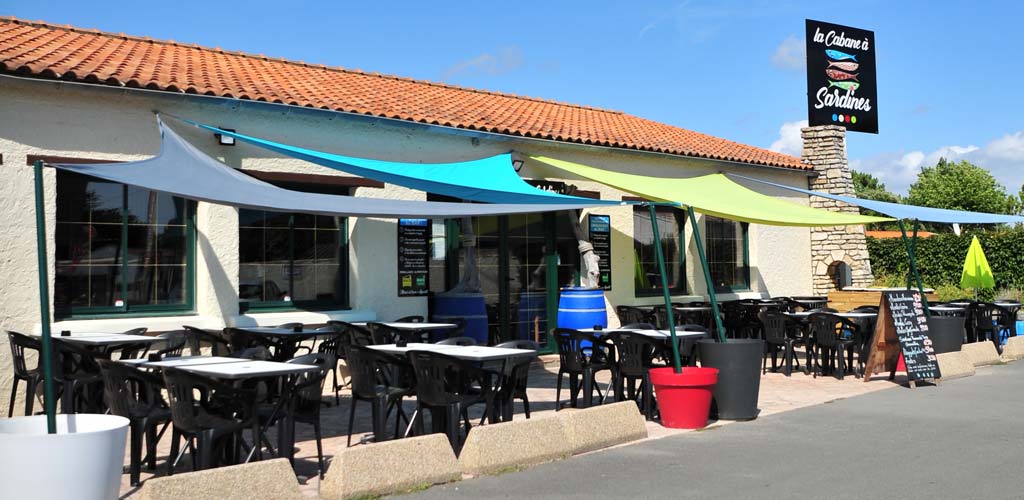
<point x="84" y="460"/>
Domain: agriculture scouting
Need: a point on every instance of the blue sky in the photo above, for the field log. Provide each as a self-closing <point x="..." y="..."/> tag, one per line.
<point x="948" y="72"/>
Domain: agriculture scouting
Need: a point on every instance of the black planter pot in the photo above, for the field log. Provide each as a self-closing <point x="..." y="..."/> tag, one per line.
<point x="946" y="333"/>
<point x="739" y="376"/>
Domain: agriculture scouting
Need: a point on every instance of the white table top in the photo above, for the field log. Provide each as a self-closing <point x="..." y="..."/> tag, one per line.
<point x="1007" y="304"/>
<point x="472" y="353"/>
<point x="408" y="325"/>
<point x="248" y="369"/>
<point x="418" y="346"/>
<point x="177" y="362"/>
<point x="691" y="308"/>
<point x="109" y="339"/>
<point x="283" y="332"/>
<point x="660" y="334"/>
<point x="843" y="314"/>
<point x="947" y="309"/>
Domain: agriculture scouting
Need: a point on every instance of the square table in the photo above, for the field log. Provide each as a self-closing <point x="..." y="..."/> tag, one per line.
<point x="182" y="361"/>
<point x="109" y="339"/>
<point x="409" y="325"/>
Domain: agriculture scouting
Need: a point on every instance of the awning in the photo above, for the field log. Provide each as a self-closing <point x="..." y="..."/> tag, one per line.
<point x="183" y="170"/>
<point x="715" y="194"/>
<point x="901" y="211"/>
<point x="490" y="180"/>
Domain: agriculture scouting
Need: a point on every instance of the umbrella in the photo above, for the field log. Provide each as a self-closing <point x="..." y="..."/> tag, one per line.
<point x="977" y="273"/>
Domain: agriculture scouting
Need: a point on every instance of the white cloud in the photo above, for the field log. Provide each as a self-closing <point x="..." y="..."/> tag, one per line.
<point x="789" y="141"/>
<point x="790" y="55"/>
<point x="504" y="60"/>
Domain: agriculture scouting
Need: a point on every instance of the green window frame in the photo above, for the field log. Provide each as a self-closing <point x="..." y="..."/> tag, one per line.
<point x="341" y="300"/>
<point x="672" y="228"/>
<point x="728" y="252"/>
<point x="129" y="228"/>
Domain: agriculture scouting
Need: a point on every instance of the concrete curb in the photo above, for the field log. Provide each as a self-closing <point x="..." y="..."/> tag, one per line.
<point x="495" y="448"/>
<point x="954" y="365"/>
<point x="981" y="353"/>
<point x="1013" y="350"/>
<point x="266" y="480"/>
<point x="390" y="467"/>
<point x="603" y="426"/>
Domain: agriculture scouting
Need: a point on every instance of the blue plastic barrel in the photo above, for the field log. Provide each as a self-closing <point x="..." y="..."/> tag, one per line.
<point x="581" y="308"/>
<point x="469" y="306"/>
<point x="533" y="307"/>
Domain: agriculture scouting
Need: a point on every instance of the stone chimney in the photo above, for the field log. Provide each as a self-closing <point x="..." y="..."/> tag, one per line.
<point x="839" y="254"/>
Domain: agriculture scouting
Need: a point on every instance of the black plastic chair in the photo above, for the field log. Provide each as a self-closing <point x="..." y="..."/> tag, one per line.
<point x="581" y="363"/>
<point x="410" y="319"/>
<point x="516" y="382"/>
<point x="781" y="332"/>
<point x="196" y="338"/>
<point x="460" y="341"/>
<point x="338" y="346"/>
<point x="80" y="378"/>
<point x="631" y="314"/>
<point x="174" y="345"/>
<point x="307" y="396"/>
<point x="447" y="387"/>
<point x="384" y="334"/>
<point x="371" y="373"/>
<point x="634" y="357"/>
<point x="130" y="351"/>
<point x="830" y="333"/>
<point x="240" y="340"/>
<point x="135" y="394"/>
<point x="209" y="414"/>
<point x="989" y="323"/>
<point x="20" y="344"/>
<point x="357" y="335"/>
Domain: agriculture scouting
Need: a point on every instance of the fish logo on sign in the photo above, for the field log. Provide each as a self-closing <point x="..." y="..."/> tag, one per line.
<point x="845" y="66"/>
<point x="839" y="56"/>
<point x="840" y="75"/>
<point x="845" y="85"/>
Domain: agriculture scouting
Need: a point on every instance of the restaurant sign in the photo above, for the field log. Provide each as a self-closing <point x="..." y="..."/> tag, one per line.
<point x="841" y="87"/>
<point x="413" y="257"/>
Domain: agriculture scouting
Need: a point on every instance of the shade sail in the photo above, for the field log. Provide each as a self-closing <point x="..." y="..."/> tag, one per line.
<point x="182" y="170"/>
<point x="901" y="211"/>
<point x="490" y="180"/>
<point x="716" y="195"/>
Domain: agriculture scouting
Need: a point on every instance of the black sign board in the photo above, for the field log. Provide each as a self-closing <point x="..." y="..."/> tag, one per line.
<point x="413" y="257"/>
<point x="600" y="227"/>
<point x="911" y="326"/>
<point x="841" y="83"/>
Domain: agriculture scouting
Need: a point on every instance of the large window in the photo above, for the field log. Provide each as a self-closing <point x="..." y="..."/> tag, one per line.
<point x="728" y="253"/>
<point x="121" y="249"/>
<point x="292" y="260"/>
<point x="646" y="276"/>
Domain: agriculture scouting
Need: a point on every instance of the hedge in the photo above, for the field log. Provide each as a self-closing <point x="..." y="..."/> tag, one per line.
<point x="940" y="258"/>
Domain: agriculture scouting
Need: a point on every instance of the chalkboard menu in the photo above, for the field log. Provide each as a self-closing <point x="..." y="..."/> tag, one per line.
<point x="601" y="237"/>
<point x="413" y="257"/>
<point x="911" y="327"/>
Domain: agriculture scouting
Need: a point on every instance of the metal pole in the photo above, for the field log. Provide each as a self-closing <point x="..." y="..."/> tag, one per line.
<point x="46" y="354"/>
<point x="913" y="268"/>
<point x="669" y="314"/>
<point x="707" y="276"/>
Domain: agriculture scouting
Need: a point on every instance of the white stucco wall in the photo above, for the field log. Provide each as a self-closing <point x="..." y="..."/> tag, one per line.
<point x="61" y="119"/>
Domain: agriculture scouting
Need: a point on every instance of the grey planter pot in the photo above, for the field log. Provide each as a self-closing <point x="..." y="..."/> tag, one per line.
<point x="739" y="376"/>
<point x="946" y="333"/>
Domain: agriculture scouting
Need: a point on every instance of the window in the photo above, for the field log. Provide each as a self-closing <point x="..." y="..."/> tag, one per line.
<point x="728" y="254"/>
<point x="293" y="260"/>
<point x="646" y="275"/>
<point x="121" y="249"/>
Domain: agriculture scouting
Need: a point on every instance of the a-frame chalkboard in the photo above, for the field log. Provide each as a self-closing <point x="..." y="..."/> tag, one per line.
<point x="902" y="328"/>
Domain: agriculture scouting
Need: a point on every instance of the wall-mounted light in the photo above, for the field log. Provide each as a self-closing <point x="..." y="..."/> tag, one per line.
<point x="517" y="164"/>
<point x="225" y="140"/>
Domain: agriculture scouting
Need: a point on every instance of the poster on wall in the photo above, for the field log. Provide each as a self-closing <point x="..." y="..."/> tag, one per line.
<point x="841" y="87"/>
<point x="413" y="257"/>
<point x="601" y="237"/>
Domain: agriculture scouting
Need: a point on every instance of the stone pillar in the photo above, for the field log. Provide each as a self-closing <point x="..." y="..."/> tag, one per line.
<point x="825" y="149"/>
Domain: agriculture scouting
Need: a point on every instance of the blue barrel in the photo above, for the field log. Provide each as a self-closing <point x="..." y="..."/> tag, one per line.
<point x="581" y="308"/>
<point x="533" y="308"/>
<point x="469" y="306"/>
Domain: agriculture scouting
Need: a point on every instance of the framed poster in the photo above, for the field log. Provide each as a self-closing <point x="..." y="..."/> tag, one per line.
<point x="600" y="228"/>
<point x="413" y="257"/>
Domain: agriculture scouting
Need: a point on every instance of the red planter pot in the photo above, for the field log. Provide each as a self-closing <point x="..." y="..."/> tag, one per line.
<point x="684" y="399"/>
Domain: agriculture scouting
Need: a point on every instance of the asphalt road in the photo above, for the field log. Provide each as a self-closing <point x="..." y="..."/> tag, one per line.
<point x="959" y="440"/>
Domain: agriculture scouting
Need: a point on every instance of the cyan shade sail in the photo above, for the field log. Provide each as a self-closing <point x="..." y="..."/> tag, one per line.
<point x="490" y="180"/>
<point x="182" y="170"/>
<point x="714" y="194"/>
<point x="901" y="211"/>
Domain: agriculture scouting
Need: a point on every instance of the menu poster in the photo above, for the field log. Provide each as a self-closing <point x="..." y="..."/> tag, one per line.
<point x="911" y="327"/>
<point x="841" y="82"/>
<point x="600" y="227"/>
<point x="413" y="257"/>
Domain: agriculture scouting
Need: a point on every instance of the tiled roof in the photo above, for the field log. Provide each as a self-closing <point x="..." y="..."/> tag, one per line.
<point x="57" y="52"/>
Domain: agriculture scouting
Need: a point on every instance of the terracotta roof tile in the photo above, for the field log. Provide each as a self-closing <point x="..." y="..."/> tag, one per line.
<point x="38" y="49"/>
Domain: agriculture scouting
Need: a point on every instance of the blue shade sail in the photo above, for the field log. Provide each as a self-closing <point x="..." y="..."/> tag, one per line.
<point x="183" y="170"/>
<point x="489" y="180"/>
<point x="901" y="211"/>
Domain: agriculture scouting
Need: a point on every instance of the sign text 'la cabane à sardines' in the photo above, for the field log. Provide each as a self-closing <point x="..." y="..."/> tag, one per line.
<point x="841" y="83"/>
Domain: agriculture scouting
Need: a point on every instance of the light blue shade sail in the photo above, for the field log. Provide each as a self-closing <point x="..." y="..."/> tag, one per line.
<point x="901" y="211"/>
<point x="489" y="180"/>
<point x="183" y="170"/>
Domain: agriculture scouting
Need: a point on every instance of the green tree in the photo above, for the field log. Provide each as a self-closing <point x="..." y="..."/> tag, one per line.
<point x="869" y="187"/>
<point x="961" y="186"/>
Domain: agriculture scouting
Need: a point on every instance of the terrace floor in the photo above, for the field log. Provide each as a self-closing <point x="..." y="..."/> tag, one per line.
<point x="778" y="394"/>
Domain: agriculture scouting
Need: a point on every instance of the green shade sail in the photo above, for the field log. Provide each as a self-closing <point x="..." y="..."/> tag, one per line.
<point x="977" y="273"/>
<point x="715" y="194"/>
